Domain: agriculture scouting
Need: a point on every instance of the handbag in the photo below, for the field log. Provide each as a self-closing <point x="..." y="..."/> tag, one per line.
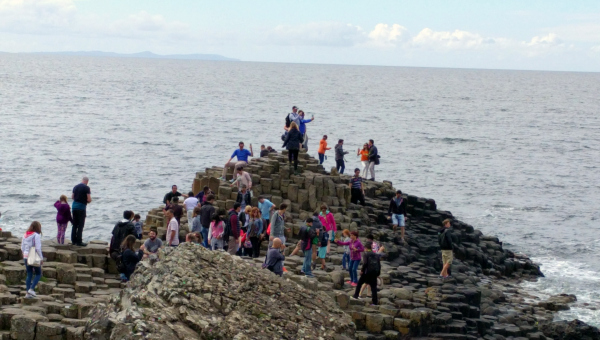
<point x="33" y="259"/>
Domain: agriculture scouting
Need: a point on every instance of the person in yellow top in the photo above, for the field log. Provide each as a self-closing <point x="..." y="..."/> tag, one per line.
<point x="322" y="148"/>
<point x="364" y="158"/>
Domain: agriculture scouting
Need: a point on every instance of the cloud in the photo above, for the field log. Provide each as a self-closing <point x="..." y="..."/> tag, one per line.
<point x="451" y="40"/>
<point x="36" y="16"/>
<point x="146" y="25"/>
<point x="317" y="34"/>
<point x="550" y="39"/>
<point x="385" y="35"/>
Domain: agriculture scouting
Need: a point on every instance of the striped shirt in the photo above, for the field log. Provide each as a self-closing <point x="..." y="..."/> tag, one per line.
<point x="356" y="182"/>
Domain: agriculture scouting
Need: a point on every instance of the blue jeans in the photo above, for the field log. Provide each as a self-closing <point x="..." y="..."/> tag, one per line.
<point x="204" y="232"/>
<point x="307" y="262"/>
<point x="346" y="261"/>
<point x="340" y="165"/>
<point x="321" y="158"/>
<point x="31" y="271"/>
<point x="354" y="270"/>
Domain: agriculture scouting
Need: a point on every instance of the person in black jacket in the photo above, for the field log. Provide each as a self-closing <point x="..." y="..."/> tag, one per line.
<point x="292" y="141"/>
<point x="121" y="230"/>
<point x="373" y="158"/>
<point x="397" y="212"/>
<point x="130" y="257"/>
<point x="206" y="213"/>
<point x="369" y="272"/>
<point x="243" y="197"/>
<point x="445" y="240"/>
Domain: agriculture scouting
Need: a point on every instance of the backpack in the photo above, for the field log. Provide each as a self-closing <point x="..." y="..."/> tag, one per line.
<point x="227" y="228"/>
<point x="373" y="264"/>
<point x="252" y="229"/>
<point x="442" y="239"/>
<point x="288" y="121"/>
<point x="324" y="239"/>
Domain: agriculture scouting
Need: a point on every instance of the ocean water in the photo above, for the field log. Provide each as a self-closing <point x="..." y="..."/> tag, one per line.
<point x="514" y="153"/>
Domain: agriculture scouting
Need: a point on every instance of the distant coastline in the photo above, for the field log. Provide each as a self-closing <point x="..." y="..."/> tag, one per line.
<point x="145" y="54"/>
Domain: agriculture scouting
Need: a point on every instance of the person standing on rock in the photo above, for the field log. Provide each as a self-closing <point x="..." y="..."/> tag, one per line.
<point x="243" y="197"/>
<point x="317" y="225"/>
<point x="373" y="158"/>
<point x="322" y="148"/>
<point x="357" y="189"/>
<point x="445" y="241"/>
<point x="266" y="208"/>
<point x="397" y="212"/>
<point x="302" y="127"/>
<point x="234" y="229"/>
<point x="215" y="232"/>
<point x="122" y="229"/>
<point x="356" y="249"/>
<point x="242" y="178"/>
<point x="346" y="256"/>
<point x="364" y="159"/>
<point x="139" y="226"/>
<point x="275" y="257"/>
<point x="292" y="143"/>
<point x="196" y="225"/>
<point x="293" y="117"/>
<point x="190" y="203"/>
<point x="255" y="228"/>
<point x="32" y="241"/>
<point x="278" y="225"/>
<point x="306" y="235"/>
<point x="177" y="209"/>
<point x="173" y="193"/>
<point x="242" y="159"/>
<point x="340" y="164"/>
<point x="63" y="217"/>
<point x="369" y="273"/>
<point x="172" y="229"/>
<point x="130" y="257"/>
<point x="328" y="222"/>
<point x="81" y="198"/>
<point x="324" y="244"/>
<point x="206" y="214"/>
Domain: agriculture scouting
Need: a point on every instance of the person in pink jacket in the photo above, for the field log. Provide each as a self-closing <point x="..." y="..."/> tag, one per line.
<point x="356" y="248"/>
<point x="328" y="223"/>
<point x="63" y="217"/>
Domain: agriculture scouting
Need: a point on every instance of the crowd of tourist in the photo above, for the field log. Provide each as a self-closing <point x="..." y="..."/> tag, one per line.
<point x="243" y="229"/>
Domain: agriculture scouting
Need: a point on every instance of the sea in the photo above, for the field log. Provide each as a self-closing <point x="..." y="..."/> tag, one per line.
<point x="513" y="153"/>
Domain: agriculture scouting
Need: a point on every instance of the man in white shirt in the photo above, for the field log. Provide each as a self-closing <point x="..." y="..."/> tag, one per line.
<point x="190" y="203"/>
<point x="242" y="178"/>
<point x="172" y="229"/>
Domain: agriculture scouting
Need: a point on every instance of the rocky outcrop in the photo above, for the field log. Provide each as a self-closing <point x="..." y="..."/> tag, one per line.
<point x="194" y="293"/>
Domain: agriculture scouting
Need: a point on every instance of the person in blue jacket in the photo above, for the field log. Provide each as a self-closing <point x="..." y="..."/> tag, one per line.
<point x="303" y="123"/>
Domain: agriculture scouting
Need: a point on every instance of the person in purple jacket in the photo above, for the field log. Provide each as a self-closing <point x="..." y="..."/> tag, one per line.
<point x="63" y="217"/>
<point x="356" y="248"/>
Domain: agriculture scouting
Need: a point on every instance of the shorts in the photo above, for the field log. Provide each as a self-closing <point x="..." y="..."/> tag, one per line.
<point x="331" y="235"/>
<point x="322" y="252"/>
<point x="447" y="256"/>
<point x="398" y="220"/>
<point x="315" y="240"/>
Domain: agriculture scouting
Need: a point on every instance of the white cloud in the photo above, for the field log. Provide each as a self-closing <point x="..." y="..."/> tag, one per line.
<point x="387" y="35"/>
<point x="146" y="25"/>
<point x="317" y="34"/>
<point x="36" y="16"/>
<point x="550" y="39"/>
<point x="451" y="40"/>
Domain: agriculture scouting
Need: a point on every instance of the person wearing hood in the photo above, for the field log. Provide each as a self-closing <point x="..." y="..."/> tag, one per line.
<point x="121" y="230"/>
<point x="32" y="241"/>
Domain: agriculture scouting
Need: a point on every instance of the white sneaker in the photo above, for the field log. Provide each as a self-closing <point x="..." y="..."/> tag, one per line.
<point x="31" y="293"/>
<point x="27" y="296"/>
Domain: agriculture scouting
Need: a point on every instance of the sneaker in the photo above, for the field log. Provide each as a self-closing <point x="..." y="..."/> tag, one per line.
<point x="221" y="179"/>
<point x="372" y="179"/>
<point x="31" y="293"/>
<point x="27" y="296"/>
<point x="349" y="282"/>
<point x="310" y="276"/>
<point x="353" y="298"/>
<point x="354" y="284"/>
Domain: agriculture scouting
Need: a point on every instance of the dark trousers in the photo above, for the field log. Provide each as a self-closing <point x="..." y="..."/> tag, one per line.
<point x="371" y="280"/>
<point x="255" y="246"/>
<point x="340" y="165"/>
<point x="321" y="158"/>
<point x="77" y="227"/>
<point x="356" y="196"/>
<point x="293" y="156"/>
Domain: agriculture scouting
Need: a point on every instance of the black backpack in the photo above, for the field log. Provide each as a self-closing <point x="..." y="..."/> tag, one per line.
<point x="288" y="121"/>
<point x="227" y="228"/>
<point x="373" y="264"/>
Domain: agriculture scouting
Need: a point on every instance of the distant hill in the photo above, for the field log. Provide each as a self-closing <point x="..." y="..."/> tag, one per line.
<point x="146" y="54"/>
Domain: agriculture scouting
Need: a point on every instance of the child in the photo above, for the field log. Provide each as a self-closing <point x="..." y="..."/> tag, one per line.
<point x="356" y="248"/>
<point x="63" y="217"/>
<point x="346" y="257"/>
<point x="139" y="226"/>
<point x="323" y="245"/>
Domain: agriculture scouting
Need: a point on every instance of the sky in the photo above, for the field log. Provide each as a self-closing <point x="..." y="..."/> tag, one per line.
<point x="533" y="35"/>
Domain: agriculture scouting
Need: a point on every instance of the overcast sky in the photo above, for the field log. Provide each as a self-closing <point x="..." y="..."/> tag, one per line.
<point x="540" y="35"/>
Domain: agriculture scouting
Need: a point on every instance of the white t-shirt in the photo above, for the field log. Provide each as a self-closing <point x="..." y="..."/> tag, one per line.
<point x="173" y="226"/>
<point x="190" y="203"/>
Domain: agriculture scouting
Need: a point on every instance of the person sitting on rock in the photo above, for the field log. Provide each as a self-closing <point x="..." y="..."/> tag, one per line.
<point x="152" y="244"/>
<point x="445" y="241"/>
<point x="263" y="151"/>
<point x="369" y="273"/>
<point x="130" y="257"/>
<point x="275" y="257"/>
<point x="242" y="159"/>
